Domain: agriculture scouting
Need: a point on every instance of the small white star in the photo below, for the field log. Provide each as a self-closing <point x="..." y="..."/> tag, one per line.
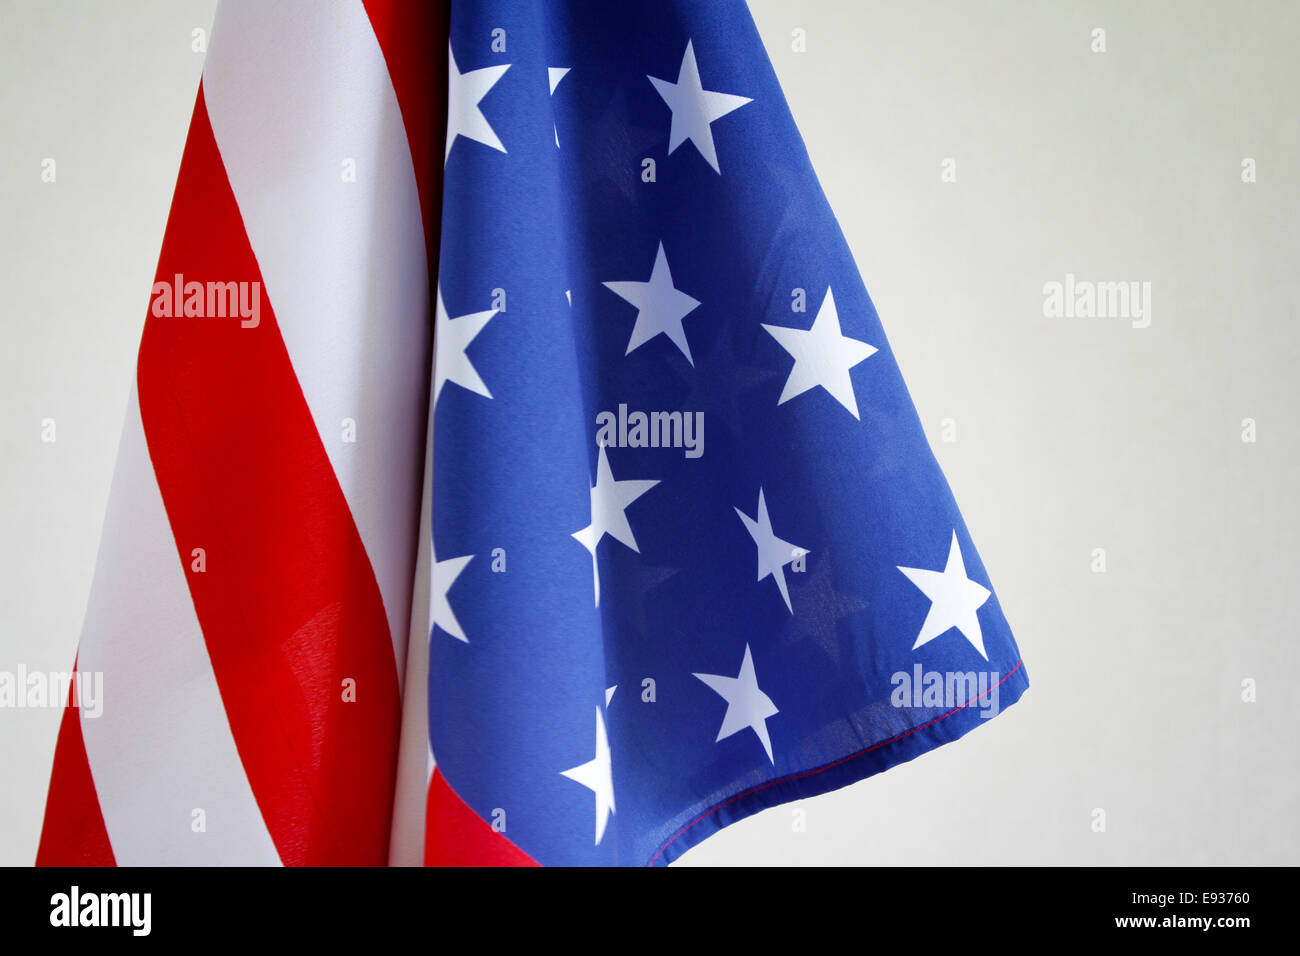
<point x="695" y="108"/>
<point x="747" y="706"/>
<point x="773" y="553"/>
<point x="822" y="356"/>
<point x="660" y="307"/>
<point x="555" y="74"/>
<point x="954" y="599"/>
<point x="464" y="90"/>
<point x="609" y="501"/>
<point x="444" y="576"/>
<point x="453" y="336"/>
<point x="597" y="776"/>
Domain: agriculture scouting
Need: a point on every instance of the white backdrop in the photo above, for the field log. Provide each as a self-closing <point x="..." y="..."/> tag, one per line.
<point x="974" y="152"/>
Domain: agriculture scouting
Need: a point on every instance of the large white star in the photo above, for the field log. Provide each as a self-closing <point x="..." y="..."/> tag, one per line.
<point x="451" y="337"/>
<point x="464" y="90"/>
<point x="597" y="776"/>
<point x="954" y="599"/>
<point x="660" y="307"/>
<point x="747" y="706"/>
<point x="444" y="576"/>
<point x="609" y="501"/>
<point x="773" y="553"/>
<point x="694" y="108"/>
<point x="822" y="356"/>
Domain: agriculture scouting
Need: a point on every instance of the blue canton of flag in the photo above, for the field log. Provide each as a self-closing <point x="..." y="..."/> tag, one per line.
<point x="693" y="556"/>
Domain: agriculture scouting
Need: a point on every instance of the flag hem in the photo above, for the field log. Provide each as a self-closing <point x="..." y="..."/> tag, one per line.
<point x="847" y="770"/>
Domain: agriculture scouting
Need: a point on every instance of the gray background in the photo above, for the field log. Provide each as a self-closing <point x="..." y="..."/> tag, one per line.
<point x="1071" y="434"/>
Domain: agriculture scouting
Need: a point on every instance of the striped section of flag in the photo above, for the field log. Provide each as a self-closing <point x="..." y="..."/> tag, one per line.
<point x="253" y="590"/>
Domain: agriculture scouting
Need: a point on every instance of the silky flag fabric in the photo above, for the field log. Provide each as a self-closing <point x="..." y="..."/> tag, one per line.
<point x="525" y="330"/>
<point x="692" y="554"/>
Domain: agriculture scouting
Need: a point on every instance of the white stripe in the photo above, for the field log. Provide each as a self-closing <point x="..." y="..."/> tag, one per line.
<point x="162" y="748"/>
<point x="294" y="89"/>
<point x="414" y="759"/>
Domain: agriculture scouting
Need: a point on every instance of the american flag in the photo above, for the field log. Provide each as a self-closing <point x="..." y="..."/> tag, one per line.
<point x="551" y="495"/>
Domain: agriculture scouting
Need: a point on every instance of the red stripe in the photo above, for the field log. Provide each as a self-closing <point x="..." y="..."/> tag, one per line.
<point x="413" y="38"/>
<point x="454" y="835"/>
<point x="73" y="833"/>
<point x="288" y="604"/>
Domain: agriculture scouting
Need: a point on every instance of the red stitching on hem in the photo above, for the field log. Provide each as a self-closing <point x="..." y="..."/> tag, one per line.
<point x="809" y="773"/>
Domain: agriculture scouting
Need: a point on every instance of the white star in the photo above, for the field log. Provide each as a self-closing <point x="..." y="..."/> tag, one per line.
<point x="596" y="775"/>
<point x="609" y="501"/>
<point x="822" y="356"/>
<point x="464" y="90"/>
<point x="954" y="599"/>
<point x="444" y="576"/>
<point x="451" y="338"/>
<point x="694" y="108"/>
<point x="660" y="307"/>
<point x="747" y="706"/>
<point x="555" y="74"/>
<point x="773" y="553"/>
